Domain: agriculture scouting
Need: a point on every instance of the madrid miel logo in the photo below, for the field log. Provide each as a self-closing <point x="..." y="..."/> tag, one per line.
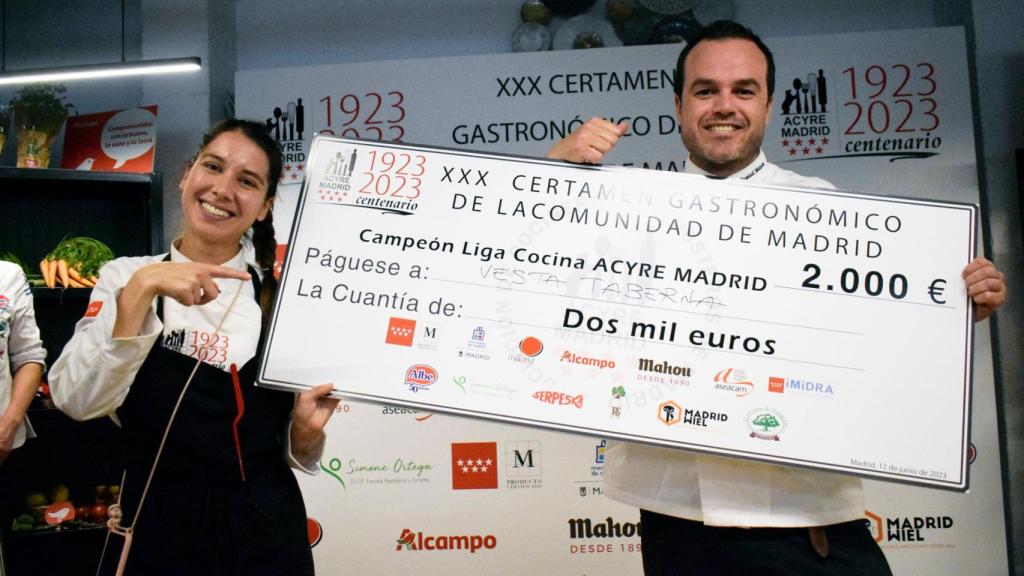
<point x="668" y="412"/>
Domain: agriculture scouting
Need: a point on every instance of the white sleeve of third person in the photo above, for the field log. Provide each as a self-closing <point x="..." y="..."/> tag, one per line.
<point x="94" y="371"/>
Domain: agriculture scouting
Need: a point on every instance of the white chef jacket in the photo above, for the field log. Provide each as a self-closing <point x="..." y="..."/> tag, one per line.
<point x="19" y="337"/>
<point x="723" y="491"/>
<point x="95" y="371"/>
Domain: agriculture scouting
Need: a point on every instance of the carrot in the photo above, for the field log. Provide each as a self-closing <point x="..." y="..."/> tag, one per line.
<point x="94" y="280"/>
<point x="62" y="272"/>
<point x="86" y="282"/>
<point x="72" y="283"/>
<point x="44" y="267"/>
<point x="74" y="275"/>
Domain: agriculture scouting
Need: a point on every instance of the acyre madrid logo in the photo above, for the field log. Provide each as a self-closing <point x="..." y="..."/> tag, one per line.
<point x="336" y="178"/>
<point x="287" y="125"/>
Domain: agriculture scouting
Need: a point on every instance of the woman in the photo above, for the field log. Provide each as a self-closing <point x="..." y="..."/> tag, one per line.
<point x="23" y="356"/>
<point x="222" y="499"/>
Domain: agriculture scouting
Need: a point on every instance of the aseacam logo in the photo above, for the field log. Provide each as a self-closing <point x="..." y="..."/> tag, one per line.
<point x="419" y="377"/>
<point x="409" y="540"/>
<point x="731" y="380"/>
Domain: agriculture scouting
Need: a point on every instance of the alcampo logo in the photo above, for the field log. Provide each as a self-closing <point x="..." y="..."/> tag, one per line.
<point x="573" y="358"/>
<point x="419" y="377"/>
<point x="732" y="380"/>
<point x="409" y="540"/>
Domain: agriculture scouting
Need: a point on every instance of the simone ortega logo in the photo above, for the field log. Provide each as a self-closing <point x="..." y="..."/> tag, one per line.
<point x="766" y="424"/>
<point x="474" y="465"/>
<point x="732" y="380"/>
<point x="419" y="377"/>
<point x="409" y="540"/>
<point x="401" y="331"/>
<point x="336" y="177"/>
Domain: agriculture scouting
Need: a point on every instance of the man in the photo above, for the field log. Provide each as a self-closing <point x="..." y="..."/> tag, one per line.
<point x="710" y="515"/>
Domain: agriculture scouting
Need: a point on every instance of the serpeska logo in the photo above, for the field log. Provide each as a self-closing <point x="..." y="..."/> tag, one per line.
<point x="600" y="363"/>
<point x="559" y="398"/>
<point x="607" y="528"/>
<point x="409" y="540"/>
<point x="419" y="377"/>
<point x="904" y="528"/>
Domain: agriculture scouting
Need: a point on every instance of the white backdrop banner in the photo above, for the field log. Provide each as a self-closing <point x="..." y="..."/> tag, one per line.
<point x="881" y="112"/>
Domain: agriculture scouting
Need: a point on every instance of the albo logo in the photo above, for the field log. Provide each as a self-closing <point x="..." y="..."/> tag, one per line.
<point x="609" y="528"/>
<point x="410" y="540"/>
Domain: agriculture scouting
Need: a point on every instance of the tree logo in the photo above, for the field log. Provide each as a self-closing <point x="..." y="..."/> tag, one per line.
<point x="766" y="424"/>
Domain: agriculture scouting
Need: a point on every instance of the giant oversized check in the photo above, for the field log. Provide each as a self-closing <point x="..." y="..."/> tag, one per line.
<point x="786" y="325"/>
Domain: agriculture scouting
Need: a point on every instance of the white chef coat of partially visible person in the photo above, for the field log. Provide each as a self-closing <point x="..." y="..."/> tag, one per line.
<point x="23" y="355"/>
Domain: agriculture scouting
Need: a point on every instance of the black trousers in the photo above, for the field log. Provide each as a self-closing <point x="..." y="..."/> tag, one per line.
<point x="677" y="547"/>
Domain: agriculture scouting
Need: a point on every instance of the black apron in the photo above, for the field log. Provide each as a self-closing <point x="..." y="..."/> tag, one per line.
<point x="223" y="500"/>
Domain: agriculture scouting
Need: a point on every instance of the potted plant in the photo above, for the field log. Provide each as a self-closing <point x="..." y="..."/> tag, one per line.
<point x="39" y="113"/>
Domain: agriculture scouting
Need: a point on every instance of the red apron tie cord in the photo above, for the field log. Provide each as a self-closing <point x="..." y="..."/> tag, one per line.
<point x="240" y="403"/>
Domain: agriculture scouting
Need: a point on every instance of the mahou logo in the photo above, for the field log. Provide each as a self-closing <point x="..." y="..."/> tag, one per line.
<point x="409" y="540"/>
